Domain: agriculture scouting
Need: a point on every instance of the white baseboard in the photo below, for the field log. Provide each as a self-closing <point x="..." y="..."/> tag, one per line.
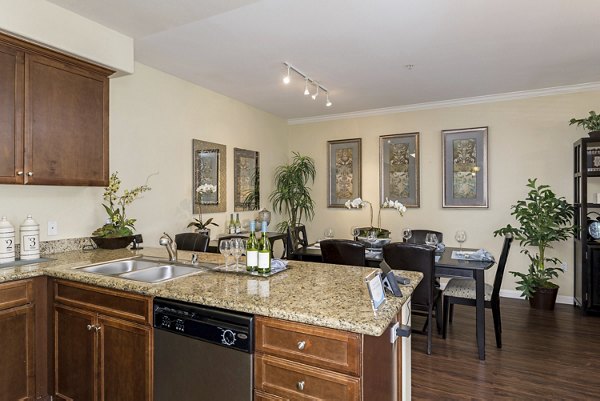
<point x="561" y="299"/>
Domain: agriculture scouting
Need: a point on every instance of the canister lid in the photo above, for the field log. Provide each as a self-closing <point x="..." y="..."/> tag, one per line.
<point x="5" y="224"/>
<point x="29" y="222"/>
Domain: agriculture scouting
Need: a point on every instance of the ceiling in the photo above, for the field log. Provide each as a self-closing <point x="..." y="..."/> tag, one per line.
<point x="359" y="49"/>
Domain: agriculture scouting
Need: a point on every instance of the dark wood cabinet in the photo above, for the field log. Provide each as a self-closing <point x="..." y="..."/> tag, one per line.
<point x="53" y="117"/>
<point x="113" y="333"/>
<point x="586" y="184"/>
<point x="17" y="331"/>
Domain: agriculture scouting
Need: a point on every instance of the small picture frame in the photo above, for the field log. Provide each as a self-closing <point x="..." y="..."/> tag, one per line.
<point x="399" y="168"/>
<point x="465" y="168"/>
<point x="246" y="178"/>
<point x="376" y="291"/>
<point x="344" y="161"/>
<point x="209" y="162"/>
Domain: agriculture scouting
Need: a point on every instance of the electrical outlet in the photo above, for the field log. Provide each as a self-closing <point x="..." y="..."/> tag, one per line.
<point x="52" y="228"/>
<point x="564" y="266"/>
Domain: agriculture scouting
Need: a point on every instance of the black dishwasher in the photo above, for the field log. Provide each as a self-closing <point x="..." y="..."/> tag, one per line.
<point x="201" y="353"/>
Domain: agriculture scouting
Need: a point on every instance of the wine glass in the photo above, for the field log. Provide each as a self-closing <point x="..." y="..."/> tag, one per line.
<point x="355" y="232"/>
<point x="329" y="233"/>
<point x="460" y="237"/>
<point x="372" y="237"/>
<point x="225" y="249"/>
<point x="431" y="239"/>
<point x="236" y="250"/>
<point x="406" y="234"/>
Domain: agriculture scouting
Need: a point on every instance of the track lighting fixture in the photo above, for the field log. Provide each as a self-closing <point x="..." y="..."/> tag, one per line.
<point x="286" y="79"/>
<point x="307" y="80"/>
<point x="314" y="96"/>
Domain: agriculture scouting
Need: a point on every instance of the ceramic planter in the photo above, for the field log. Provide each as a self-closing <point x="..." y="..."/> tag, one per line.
<point x="113" y="243"/>
<point x="544" y="298"/>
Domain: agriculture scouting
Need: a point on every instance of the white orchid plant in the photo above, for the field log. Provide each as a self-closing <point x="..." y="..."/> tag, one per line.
<point x="358" y="203"/>
<point x="197" y="222"/>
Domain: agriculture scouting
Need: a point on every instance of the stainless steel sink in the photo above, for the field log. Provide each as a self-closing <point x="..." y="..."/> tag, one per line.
<point x="120" y="267"/>
<point x="160" y="273"/>
<point x="148" y="271"/>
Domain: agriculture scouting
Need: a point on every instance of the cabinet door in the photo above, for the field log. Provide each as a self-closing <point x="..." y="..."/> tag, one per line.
<point x="66" y="124"/>
<point x="75" y="358"/>
<point x="11" y="116"/>
<point x="125" y="360"/>
<point x="17" y="373"/>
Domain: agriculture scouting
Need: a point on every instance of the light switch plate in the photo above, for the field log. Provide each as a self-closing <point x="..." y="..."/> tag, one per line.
<point x="52" y="228"/>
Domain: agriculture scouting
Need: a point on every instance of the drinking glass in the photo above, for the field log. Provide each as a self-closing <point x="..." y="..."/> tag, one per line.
<point x="329" y="233"/>
<point x="431" y="239"/>
<point x="355" y="232"/>
<point x="372" y="237"/>
<point x="460" y="237"/>
<point x="406" y="234"/>
<point x="225" y="249"/>
<point x="236" y="250"/>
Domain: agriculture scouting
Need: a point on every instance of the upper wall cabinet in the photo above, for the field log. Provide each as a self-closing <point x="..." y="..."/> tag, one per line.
<point x="53" y="117"/>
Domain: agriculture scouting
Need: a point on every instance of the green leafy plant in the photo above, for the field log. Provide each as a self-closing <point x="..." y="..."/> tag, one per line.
<point x="118" y="225"/>
<point x="544" y="219"/>
<point x="291" y="195"/>
<point x="591" y="123"/>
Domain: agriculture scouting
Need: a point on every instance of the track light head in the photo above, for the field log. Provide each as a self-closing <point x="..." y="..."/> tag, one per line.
<point x="314" y="96"/>
<point x="306" y="91"/>
<point x="328" y="103"/>
<point x="286" y="79"/>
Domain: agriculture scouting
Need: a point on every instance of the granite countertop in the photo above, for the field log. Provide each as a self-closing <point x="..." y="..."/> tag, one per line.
<point x="321" y="294"/>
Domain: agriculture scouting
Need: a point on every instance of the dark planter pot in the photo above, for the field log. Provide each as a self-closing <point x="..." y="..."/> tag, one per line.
<point x="594" y="134"/>
<point x="544" y="298"/>
<point x="113" y="243"/>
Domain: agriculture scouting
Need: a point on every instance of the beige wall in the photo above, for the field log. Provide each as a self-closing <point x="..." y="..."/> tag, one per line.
<point x="527" y="138"/>
<point x="153" y="119"/>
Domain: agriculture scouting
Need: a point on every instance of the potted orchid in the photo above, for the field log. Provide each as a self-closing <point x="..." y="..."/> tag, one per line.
<point x="202" y="226"/>
<point x="359" y="203"/>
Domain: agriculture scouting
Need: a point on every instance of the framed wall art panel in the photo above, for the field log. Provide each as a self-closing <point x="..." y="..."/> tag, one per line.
<point x="209" y="162"/>
<point x="465" y="167"/>
<point x="344" y="168"/>
<point x="246" y="187"/>
<point x="399" y="168"/>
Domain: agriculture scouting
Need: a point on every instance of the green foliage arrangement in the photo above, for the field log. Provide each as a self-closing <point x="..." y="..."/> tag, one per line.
<point x="591" y="123"/>
<point x="544" y="219"/>
<point x="291" y="195"/>
<point x="118" y="225"/>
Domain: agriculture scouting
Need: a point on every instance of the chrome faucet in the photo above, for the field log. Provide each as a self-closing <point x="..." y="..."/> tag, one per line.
<point x="166" y="241"/>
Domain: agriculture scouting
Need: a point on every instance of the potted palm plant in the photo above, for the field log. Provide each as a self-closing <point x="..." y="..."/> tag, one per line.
<point x="543" y="219"/>
<point x="590" y="123"/>
<point x="291" y="196"/>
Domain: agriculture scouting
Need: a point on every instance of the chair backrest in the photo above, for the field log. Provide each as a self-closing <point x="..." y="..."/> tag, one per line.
<point x="418" y="236"/>
<point x="414" y="257"/>
<point x="296" y="238"/>
<point x="501" y="265"/>
<point x="343" y="252"/>
<point x="192" y="242"/>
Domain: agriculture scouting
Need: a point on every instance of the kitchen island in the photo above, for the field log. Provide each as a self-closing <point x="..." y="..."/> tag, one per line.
<point x="325" y="296"/>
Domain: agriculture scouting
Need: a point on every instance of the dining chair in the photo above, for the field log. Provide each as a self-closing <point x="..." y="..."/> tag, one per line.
<point x="343" y="252"/>
<point x="462" y="291"/>
<point x="418" y="236"/>
<point x="192" y="242"/>
<point x="296" y="238"/>
<point x="426" y="297"/>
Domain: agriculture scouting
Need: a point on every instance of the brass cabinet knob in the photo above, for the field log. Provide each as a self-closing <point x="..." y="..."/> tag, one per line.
<point x="301" y="345"/>
<point x="19" y="173"/>
<point x="30" y="173"/>
<point x="300" y="385"/>
<point x="90" y="327"/>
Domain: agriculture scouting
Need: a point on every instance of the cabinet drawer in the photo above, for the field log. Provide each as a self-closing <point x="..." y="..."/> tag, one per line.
<point x="105" y="301"/>
<point x="297" y="381"/>
<point x="15" y="293"/>
<point x="318" y="346"/>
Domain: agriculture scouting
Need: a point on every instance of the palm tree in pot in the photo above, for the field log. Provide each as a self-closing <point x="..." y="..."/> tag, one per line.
<point x="291" y="196"/>
<point x="544" y="219"/>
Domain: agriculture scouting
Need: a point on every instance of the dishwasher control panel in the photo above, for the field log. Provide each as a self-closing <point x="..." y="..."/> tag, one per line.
<point x="226" y="328"/>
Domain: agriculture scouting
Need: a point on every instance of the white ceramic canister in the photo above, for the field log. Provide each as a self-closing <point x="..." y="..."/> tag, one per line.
<point x="30" y="239"/>
<point x="7" y="241"/>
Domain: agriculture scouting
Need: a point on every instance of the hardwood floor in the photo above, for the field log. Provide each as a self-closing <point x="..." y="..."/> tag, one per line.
<point x="544" y="355"/>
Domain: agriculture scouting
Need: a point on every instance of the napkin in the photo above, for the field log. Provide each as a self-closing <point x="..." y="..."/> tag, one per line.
<point x="278" y="263"/>
<point x="482" y="255"/>
<point x="440" y="247"/>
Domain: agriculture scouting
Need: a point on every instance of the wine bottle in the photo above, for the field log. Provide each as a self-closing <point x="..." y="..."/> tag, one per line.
<point x="264" y="251"/>
<point x="252" y="249"/>
<point x="231" y="225"/>
<point x="238" y="225"/>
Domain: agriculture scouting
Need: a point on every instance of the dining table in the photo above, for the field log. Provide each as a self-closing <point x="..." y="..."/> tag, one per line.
<point x="445" y="266"/>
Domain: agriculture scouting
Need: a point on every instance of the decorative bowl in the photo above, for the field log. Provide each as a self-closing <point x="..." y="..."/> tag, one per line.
<point x="379" y="242"/>
<point x="113" y="243"/>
